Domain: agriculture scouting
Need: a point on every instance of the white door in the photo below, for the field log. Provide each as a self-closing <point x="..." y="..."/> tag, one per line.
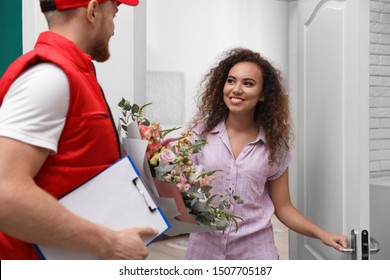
<point x="333" y="122"/>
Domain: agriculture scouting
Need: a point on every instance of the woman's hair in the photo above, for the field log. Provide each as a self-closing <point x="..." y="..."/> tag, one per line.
<point x="272" y="114"/>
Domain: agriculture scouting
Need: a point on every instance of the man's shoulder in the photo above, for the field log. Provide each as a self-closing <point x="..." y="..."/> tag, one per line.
<point x="44" y="71"/>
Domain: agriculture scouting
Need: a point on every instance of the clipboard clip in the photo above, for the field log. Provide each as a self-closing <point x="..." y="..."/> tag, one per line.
<point x="151" y="207"/>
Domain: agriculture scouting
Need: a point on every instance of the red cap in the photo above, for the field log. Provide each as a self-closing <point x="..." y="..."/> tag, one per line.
<point x="68" y="4"/>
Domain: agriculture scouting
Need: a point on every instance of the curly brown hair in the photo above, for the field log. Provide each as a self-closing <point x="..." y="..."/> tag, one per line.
<point x="272" y="114"/>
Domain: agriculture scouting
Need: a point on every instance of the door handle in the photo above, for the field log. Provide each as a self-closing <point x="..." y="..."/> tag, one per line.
<point x="348" y="251"/>
<point x="375" y="246"/>
<point x="352" y="250"/>
<point x="369" y="247"/>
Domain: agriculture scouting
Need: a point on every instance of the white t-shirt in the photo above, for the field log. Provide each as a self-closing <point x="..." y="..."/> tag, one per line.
<point x="35" y="107"/>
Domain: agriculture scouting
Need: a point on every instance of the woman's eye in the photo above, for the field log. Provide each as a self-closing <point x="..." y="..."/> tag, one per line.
<point x="248" y="84"/>
<point x="230" y="81"/>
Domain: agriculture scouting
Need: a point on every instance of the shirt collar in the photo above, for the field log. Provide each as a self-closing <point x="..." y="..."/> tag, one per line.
<point x="220" y="129"/>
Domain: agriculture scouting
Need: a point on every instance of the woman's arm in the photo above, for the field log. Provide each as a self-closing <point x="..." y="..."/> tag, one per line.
<point x="294" y="220"/>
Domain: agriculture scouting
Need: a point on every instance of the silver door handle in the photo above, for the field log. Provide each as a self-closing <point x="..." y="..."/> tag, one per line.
<point x="348" y="251"/>
<point x="375" y="246"/>
<point x="351" y="251"/>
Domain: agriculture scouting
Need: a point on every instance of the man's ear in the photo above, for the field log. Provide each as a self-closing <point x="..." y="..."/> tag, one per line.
<point x="91" y="10"/>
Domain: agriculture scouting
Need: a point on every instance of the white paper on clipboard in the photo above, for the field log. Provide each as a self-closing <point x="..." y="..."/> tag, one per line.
<point x="115" y="198"/>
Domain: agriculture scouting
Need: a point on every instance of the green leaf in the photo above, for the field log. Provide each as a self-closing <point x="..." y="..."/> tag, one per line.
<point x="127" y="105"/>
<point x="238" y="199"/>
<point x="164" y="168"/>
<point x="206" y="189"/>
<point x="169" y="130"/>
<point x="209" y="173"/>
<point x="196" y="147"/>
<point x="222" y="224"/>
<point x="143" y="106"/>
<point x="121" y="103"/>
<point x="236" y="224"/>
<point x="193" y="201"/>
<point x="222" y="200"/>
<point x="192" y="190"/>
<point x="199" y="195"/>
<point x="198" y="206"/>
<point x="210" y="199"/>
<point x="135" y="109"/>
<point x="146" y="122"/>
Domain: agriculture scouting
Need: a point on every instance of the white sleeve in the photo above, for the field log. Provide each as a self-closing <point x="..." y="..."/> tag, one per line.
<point x="35" y="106"/>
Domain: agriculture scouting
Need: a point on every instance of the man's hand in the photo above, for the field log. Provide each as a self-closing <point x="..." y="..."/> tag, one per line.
<point x="128" y="244"/>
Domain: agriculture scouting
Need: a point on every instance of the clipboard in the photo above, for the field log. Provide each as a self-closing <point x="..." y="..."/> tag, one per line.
<point x="115" y="198"/>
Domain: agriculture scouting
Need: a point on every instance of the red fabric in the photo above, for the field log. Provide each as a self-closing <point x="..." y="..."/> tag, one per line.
<point x="88" y="144"/>
<point x="68" y="4"/>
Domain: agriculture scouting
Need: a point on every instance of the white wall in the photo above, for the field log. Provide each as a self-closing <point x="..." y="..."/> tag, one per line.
<point x="180" y="36"/>
<point x="188" y="35"/>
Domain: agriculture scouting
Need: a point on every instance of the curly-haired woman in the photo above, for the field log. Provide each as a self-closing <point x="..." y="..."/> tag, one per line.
<point x="243" y="114"/>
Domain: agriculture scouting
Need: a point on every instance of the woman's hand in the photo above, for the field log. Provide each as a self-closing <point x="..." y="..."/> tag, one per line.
<point x="337" y="241"/>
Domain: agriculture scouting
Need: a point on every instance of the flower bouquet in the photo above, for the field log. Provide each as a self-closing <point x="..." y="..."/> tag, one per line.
<point x="180" y="187"/>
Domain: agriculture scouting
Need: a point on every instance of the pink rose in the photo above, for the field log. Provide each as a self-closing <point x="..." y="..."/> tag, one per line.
<point x="153" y="148"/>
<point x="167" y="156"/>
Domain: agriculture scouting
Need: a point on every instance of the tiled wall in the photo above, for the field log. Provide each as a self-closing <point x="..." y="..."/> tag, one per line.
<point x="380" y="88"/>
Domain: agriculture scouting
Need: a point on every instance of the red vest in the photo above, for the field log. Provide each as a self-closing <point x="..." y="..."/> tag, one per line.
<point x="88" y="143"/>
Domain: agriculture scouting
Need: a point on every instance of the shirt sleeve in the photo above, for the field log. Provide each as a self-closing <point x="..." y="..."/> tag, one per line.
<point x="35" y="107"/>
<point x="279" y="169"/>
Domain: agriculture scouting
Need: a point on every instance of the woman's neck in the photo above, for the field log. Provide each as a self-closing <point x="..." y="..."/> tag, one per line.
<point x="241" y="124"/>
<point x="241" y="132"/>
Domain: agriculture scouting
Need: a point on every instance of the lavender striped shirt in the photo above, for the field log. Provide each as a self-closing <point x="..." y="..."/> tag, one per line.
<point x="248" y="176"/>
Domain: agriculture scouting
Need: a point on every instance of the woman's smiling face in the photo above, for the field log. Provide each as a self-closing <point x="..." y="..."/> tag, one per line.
<point x="243" y="88"/>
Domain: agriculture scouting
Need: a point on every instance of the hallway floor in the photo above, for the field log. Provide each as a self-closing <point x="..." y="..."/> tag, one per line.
<point x="175" y="248"/>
